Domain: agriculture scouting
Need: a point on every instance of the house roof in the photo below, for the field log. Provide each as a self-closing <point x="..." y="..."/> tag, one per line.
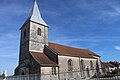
<point x="108" y="64"/>
<point x="70" y="51"/>
<point x="105" y="64"/>
<point x="42" y="59"/>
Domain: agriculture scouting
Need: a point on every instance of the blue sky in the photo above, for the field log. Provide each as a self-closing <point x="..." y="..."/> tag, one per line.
<point x="88" y="24"/>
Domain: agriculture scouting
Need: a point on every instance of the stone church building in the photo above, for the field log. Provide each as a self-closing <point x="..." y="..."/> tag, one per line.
<point x="38" y="56"/>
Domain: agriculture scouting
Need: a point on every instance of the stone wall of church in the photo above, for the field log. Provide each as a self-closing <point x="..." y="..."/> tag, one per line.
<point x="24" y="43"/>
<point x="47" y="73"/>
<point x="99" y="62"/>
<point x="87" y="62"/>
<point x="24" y="49"/>
<point x="47" y="70"/>
<point x="34" y="67"/>
<point x="63" y="65"/>
<point x="46" y="35"/>
<point x="37" y="42"/>
<point x="26" y="38"/>
<point x="87" y="66"/>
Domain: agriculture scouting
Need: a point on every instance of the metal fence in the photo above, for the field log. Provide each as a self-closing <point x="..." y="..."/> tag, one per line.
<point x="70" y="75"/>
<point x="108" y="77"/>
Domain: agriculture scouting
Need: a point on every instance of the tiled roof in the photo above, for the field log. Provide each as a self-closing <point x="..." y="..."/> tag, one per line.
<point x="108" y="64"/>
<point x="42" y="59"/>
<point x="105" y="64"/>
<point x="70" y="51"/>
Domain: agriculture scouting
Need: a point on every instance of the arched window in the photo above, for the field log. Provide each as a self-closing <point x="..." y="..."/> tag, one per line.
<point x="70" y="65"/>
<point x="39" y="31"/>
<point x="82" y="65"/>
<point x="53" y="70"/>
<point x="91" y="65"/>
<point x="97" y="67"/>
<point x="24" y="33"/>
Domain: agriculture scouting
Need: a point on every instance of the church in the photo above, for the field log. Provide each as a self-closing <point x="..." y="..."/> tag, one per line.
<point x="39" y="56"/>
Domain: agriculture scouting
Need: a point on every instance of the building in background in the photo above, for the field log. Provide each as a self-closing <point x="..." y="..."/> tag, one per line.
<point x="38" y="56"/>
<point x="110" y="67"/>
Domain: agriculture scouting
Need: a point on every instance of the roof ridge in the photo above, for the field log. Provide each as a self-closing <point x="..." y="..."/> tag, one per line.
<point x="67" y="50"/>
<point x="66" y="46"/>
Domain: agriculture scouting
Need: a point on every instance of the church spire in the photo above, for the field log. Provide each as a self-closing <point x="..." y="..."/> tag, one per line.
<point x="35" y="14"/>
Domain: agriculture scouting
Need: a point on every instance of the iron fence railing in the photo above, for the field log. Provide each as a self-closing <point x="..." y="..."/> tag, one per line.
<point x="71" y="75"/>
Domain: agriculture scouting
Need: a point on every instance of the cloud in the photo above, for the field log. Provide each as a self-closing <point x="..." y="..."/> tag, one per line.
<point x="113" y="11"/>
<point x="111" y="14"/>
<point x="117" y="47"/>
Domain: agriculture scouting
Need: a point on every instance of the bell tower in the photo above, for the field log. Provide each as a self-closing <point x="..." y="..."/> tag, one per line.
<point x="38" y="30"/>
<point x="34" y="35"/>
<point x="34" y="31"/>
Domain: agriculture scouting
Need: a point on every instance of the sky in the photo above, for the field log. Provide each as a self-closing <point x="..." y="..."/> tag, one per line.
<point x="87" y="24"/>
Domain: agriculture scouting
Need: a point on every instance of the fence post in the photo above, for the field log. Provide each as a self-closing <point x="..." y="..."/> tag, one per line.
<point x="97" y="75"/>
<point x="58" y="73"/>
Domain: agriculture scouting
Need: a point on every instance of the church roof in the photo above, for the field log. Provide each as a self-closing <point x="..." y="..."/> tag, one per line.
<point x="70" y="51"/>
<point x="42" y="59"/>
<point x="35" y="15"/>
<point x="45" y="60"/>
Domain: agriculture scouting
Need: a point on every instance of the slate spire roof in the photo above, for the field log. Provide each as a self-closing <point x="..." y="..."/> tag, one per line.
<point x="35" y="14"/>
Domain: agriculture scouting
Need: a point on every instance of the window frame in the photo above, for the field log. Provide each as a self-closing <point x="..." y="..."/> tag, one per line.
<point x="54" y="71"/>
<point x="82" y="65"/>
<point x="39" y="31"/>
<point x="91" y="65"/>
<point x="70" y="65"/>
